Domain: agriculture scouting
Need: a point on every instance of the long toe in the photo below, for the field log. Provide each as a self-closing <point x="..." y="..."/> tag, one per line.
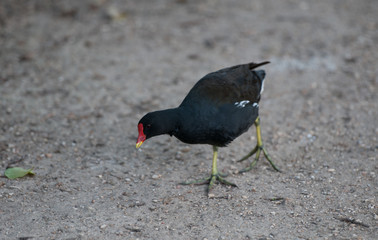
<point x="210" y="181"/>
<point x="257" y="150"/>
<point x="249" y="168"/>
<point x="249" y="154"/>
<point x="218" y="177"/>
<point x="270" y="160"/>
<point x="224" y="181"/>
<point x="197" y="182"/>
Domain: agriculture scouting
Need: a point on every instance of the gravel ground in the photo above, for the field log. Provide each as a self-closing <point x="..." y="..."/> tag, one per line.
<point x="76" y="76"/>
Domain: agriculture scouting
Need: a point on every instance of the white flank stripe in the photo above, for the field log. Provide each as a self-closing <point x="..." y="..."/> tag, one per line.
<point x="242" y="103"/>
<point x="262" y="87"/>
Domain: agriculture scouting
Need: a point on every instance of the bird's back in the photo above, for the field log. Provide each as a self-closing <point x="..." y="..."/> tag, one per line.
<point x="222" y="105"/>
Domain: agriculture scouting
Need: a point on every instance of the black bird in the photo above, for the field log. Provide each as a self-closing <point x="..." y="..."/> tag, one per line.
<point x="219" y="108"/>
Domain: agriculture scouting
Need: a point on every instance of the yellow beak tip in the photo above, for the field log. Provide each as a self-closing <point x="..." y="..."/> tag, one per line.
<point x="138" y="144"/>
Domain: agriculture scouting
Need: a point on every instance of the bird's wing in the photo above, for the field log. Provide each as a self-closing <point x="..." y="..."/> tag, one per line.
<point x="228" y="86"/>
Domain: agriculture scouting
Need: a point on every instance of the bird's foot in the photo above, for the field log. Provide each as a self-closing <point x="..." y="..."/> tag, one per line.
<point x="257" y="150"/>
<point x="211" y="180"/>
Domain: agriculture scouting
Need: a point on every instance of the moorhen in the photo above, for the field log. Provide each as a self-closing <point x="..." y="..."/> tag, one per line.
<point x="219" y="108"/>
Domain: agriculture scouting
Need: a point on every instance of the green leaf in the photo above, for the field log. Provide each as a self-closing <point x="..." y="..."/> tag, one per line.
<point x="17" y="172"/>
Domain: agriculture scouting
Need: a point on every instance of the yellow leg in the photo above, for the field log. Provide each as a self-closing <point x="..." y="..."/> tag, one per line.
<point x="259" y="147"/>
<point x="215" y="175"/>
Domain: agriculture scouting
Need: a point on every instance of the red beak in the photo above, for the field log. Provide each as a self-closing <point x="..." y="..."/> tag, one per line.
<point x="141" y="136"/>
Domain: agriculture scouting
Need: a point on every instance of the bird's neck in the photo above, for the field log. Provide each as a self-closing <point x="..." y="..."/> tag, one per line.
<point x="169" y="120"/>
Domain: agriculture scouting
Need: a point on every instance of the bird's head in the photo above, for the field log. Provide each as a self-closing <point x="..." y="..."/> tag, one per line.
<point x="145" y="129"/>
<point x="155" y="123"/>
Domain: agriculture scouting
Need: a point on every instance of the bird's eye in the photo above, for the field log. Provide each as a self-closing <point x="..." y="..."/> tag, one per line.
<point x="148" y="126"/>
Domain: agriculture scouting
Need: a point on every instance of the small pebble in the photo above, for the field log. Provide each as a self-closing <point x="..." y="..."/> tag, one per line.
<point x="155" y="176"/>
<point x="185" y="149"/>
<point x="152" y="208"/>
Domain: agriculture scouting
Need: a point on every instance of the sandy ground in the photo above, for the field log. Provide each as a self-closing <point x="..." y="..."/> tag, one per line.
<point x="76" y="76"/>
